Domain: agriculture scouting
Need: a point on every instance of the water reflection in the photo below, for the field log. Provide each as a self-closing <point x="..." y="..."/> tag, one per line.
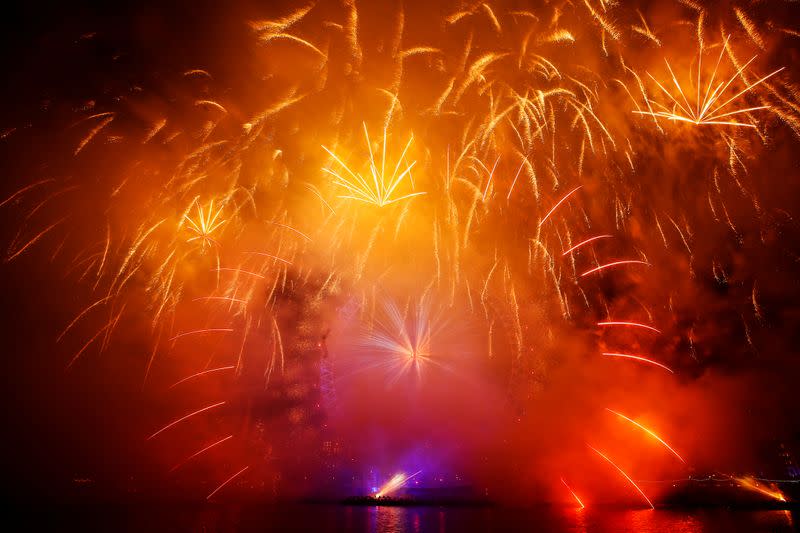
<point x="480" y="520"/>
<point x="388" y="519"/>
<point x="336" y="518"/>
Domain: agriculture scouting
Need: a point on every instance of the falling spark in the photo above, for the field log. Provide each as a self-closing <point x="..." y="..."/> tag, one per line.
<point x="201" y="331"/>
<point x="749" y="27"/>
<point x="632" y="324"/>
<point x="109" y="117"/>
<point x="290" y="228"/>
<point x="178" y="421"/>
<point x="516" y="176"/>
<point x="200" y="452"/>
<point x="197" y="72"/>
<point x="626" y="476"/>
<point x="237" y="474"/>
<point x="33" y="240"/>
<point x="23" y="190"/>
<point x="81" y="315"/>
<point x="203" y="373"/>
<point x="613" y="264"/>
<point x="263" y="254"/>
<point x="220" y="298"/>
<point x="638" y="358"/>
<point x="489" y="181"/>
<point x="649" y="432"/>
<point x="573" y="494"/>
<point x="211" y="103"/>
<point x="239" y="271"/>
<point x="583" y="243"/>
<point x="570" y="193"/>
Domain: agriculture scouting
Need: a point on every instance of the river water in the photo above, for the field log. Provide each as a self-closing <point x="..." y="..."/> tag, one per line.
<point x="338" y="518"/>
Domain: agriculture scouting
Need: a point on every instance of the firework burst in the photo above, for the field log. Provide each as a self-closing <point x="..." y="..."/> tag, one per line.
<point x="380" y="187"/>
<point x="203" y="223"/>
<point x="713" y="105"/>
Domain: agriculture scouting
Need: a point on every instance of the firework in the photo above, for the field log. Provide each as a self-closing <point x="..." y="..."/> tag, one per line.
<point x="401" y="340"/>
<point x="202" y="373"/>
<point x="201" y="451"/>
<point x="629" y="324"/>
<point x="204" y="223"/>
<point x="614" y="264"/>
<point x="224" y="483"/>
<point x="649" y="432"/>
<point x="711" y="107"/>
<point x="623" y="474"/>
<point x="186" y="417"/>
<point x="750" y="483"/>
<point x="639" y="358"/>
<point x="396" y="482"/>
<point x="218" y="243"/>
<point x="585" y="242"/>
<point x="561" y="201"/>
<point x="380" y="187"/>
<point x="578" y="500"/>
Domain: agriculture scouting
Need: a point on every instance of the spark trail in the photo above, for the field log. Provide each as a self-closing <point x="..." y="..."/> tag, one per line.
<point x="626" y="476"/>
<point x="649" y="432"/>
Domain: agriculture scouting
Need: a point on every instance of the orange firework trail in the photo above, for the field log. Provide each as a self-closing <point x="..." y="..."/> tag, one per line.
<point x="234" y="476"/>
<point x="396" y="482"/>
<point x="290" y="228"/>
<point x="516" y="176"/>
<point x="203" y="373"/>
<point x="615" y="264"/>
<point x="751" y="484"/>
<point x="631" y="324"/>
<point x="563" y="199"/>
<point x="200" y="452"/>
<point x="583" y="243"/>
<point x="638" y="358"/>
<point x="23" y="190"/>
<point x="205" y="223"/>
<point x="240" y="271"/>
<point x="708" y="110"/>
<point x="201" y="332"/>
<point x="33" y="241"/>
<point x="219" y="299"/>
<point x="81" y="315"/>
<point x="380" y="189"/>
<point x="573" y="494"/>
<point x="263" y="254"/>
<point x="181" y="419"/>
<point x="626" y="476"/>
<point x="649" y="432"/>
